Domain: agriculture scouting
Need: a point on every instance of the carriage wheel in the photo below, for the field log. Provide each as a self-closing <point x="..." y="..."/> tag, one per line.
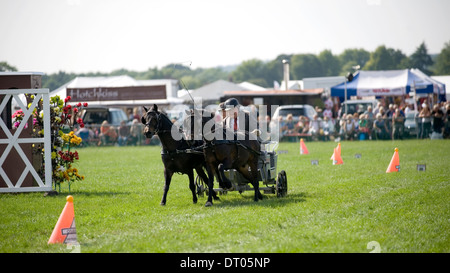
<point x="281" y="185"/>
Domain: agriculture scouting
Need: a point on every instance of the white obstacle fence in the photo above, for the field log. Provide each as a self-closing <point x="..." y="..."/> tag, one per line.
<point x="13" y="140"/>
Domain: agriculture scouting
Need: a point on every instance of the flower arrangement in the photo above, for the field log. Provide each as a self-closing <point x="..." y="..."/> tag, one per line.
<point x="17" y="118"/>
<point x="63" y="117"/>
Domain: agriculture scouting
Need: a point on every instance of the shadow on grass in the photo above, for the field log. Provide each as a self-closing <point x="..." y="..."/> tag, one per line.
<point x="269" y="200"/>
<point x="89" y="193"/>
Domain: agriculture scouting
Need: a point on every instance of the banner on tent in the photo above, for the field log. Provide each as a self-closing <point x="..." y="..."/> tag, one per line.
<point x="363" y="92"/>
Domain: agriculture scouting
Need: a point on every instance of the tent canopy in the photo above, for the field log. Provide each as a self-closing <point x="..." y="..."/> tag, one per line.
<point x="388" y="83"/>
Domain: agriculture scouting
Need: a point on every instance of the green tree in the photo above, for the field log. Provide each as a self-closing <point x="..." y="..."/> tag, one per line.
<point x="208" y="75"/>
<point x="420" y="59"/>
<point x="353" y="57"/>
<point x="305" y="65"/>
<point x="331" y="65"/>
<point x="252" y="71"/>
<point x="5" y="67"/>
<point x="442" y="66"/>
<point x="54" y="81"/>
<point x="385" y="59"/>
<point x="274" y="69"/>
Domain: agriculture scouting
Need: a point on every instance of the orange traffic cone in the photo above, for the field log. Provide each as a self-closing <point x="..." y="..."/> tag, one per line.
<point x="338" y="149"/>
<point x="303" y="149"/>
<point x="394" y="166"/>
<point x="65" y="231"/>
<point x="337" y="159"/>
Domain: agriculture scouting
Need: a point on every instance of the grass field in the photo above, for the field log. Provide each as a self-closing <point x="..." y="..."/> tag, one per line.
<point x="328" y="208"/>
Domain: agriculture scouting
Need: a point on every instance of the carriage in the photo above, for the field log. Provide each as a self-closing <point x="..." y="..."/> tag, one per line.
<point x="235" y="163"/>
<point x="270" y="181"/>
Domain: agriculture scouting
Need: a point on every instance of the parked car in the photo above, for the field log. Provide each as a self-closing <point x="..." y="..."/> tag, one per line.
<point x="178" y="112"/>
<point x="96" y="115"/>
<point x="411" y="124"/>
<point x="296" y="110"/>
<point x="358" y="106"/>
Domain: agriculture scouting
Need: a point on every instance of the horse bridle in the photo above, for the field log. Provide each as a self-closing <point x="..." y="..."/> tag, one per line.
<point x="159" y="124"/>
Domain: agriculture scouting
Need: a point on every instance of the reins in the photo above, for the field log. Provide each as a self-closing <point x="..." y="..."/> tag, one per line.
<point x="159" y="130"/>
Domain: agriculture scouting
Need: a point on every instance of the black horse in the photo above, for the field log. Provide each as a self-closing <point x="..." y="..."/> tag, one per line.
<point x="177" y="155"/>
<point x="239" y="152"/>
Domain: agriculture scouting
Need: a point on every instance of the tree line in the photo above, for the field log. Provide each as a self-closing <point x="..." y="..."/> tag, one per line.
<point x="264" y="73"/>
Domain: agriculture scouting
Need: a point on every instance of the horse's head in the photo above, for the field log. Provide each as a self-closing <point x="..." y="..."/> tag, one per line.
<point x="150" y="120"/>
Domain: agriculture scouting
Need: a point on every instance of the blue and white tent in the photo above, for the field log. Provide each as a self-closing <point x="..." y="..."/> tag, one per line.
<point x="388" y="83"/>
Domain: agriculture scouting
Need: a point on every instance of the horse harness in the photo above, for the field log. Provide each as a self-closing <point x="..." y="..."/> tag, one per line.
<point x="197" y="149"/>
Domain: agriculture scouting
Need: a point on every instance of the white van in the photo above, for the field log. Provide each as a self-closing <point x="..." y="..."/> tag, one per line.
<point x="358" y="106"/>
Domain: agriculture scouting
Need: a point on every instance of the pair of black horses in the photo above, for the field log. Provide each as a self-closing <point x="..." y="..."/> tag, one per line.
<point x="183" y="156"/>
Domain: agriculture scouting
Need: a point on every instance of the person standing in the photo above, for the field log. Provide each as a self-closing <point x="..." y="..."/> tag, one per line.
<point x="438" y="120"/>
<point x="425" y="115"/>
<point x="397" y="125"/>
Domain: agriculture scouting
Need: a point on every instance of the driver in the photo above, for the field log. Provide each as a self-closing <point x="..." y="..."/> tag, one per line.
<point x="237" y="119"/>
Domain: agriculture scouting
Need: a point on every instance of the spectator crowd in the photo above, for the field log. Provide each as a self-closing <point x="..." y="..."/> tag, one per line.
<point x="107" y="134"/>
<point x="372" y="124"/>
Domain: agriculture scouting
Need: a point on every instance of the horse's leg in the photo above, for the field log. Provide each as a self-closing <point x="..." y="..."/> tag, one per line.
<point x="192" y="186"/>
<point x="203" y="176"/>
<point x="251" y="176"/>
<point x="254" y="173"/>
<point x="221" y="176"/>
<point x="168" y="177"/>
<point x="210" y="170"/>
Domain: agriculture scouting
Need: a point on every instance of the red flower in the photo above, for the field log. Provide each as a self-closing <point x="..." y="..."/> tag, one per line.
<point x="75" y="110"/>
<point x="85" y="104"/>
<point x="79" y="104"/>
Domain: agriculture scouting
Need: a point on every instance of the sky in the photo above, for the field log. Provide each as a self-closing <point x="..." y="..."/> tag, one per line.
<point x="83" y="36"/>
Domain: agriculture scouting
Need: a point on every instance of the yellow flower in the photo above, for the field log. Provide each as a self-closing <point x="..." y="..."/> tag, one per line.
<point x="76" y="140"/>
<point x="65" y="137"/>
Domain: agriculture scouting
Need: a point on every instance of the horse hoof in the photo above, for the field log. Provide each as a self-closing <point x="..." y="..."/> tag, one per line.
<point x="208" y="204"/>
<point x="162" y="204"/>
<point x="194" y="202"/>
<point x="216" y="198"/>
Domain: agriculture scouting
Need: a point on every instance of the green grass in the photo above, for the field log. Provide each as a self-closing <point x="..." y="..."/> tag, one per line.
<point x="328" y="208"/>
